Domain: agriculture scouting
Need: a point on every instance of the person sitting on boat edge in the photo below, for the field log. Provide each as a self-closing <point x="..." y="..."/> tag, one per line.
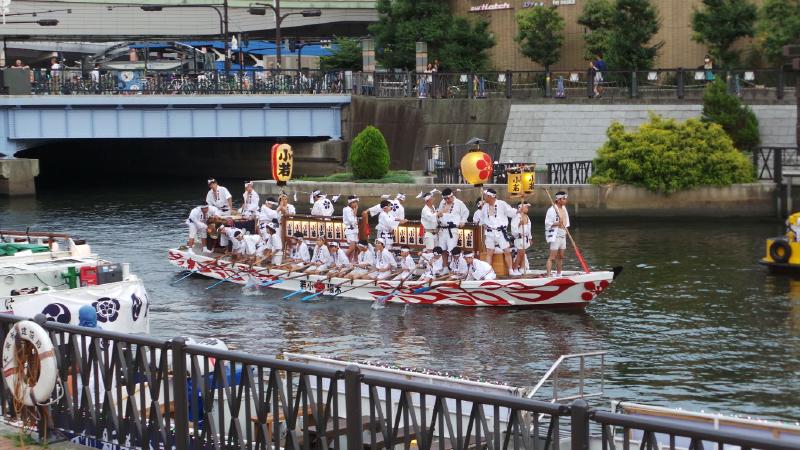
<point x="384" y="261"/>
<point x="219" y="196"/>
<point x="364" y="261"/>
<point x="435" y="266"/>
<point x="521" y="233"/>
<point x="322" y="207"/>
<point x="556" y="222"/>
<point x="298" y="251"/>
<point x="198" y="225"/>
<point x="477" y="269"/>
<point x="340" y="263"/>
<point x="250" y="202"/>
<point x="495" y="214"/>
<point x="274" y="251"/>
<point x="350" y="223"/>
<point x="457" y="265"/>
<point x="321" y="257"/>
<point x="407" y="264"/>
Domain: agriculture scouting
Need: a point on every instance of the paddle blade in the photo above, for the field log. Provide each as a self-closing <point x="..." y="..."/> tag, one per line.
<point x="270" y="283"/>
<point x="309" y="297"/>
<point x="293" y="294"/>
<point x="422" y="290"/>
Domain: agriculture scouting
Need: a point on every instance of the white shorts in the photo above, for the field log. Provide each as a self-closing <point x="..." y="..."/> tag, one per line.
<point x="320" y="268"/>
<point x="358" y="272"/>
<point x="277" y="258"/>
<point x="195" y="232"/>
<point x="494" y="240"/>
<point x="351" y="235"/>
<point x="380" y="275"/>
<point x="519" y="241"/>
<point x="446" y="242"/>
<point x="558" y="243"/>
<point x="598" y="77"/>
<point x="429" y="239"/>
<point x="403" y="275"/>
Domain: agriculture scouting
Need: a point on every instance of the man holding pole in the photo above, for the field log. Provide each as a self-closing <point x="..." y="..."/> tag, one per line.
<point x="556" y="222"/>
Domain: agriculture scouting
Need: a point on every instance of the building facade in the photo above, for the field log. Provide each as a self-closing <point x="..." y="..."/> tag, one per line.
<point x="676" y="32"/>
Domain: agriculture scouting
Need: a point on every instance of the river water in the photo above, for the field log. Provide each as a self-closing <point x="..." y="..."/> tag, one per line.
<point x="693" y="322"/>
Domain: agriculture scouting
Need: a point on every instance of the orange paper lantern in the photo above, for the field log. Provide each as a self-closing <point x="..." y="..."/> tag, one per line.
<point x="476" y="168"/>
<point x="282" y="163"/>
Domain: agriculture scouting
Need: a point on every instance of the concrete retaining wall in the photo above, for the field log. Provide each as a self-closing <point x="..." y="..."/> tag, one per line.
<point x="544" y="133"/>
<point x="17" y="176"/>
<point x="741" y="200"/>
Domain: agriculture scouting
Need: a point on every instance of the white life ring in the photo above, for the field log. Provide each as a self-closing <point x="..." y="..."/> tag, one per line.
<point x="48" y="369"/>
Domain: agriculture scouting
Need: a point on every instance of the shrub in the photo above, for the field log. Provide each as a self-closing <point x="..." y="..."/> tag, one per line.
<point x="369" y="154"/>
<point x="667" y="156"/>
<point x="736" y="119"/>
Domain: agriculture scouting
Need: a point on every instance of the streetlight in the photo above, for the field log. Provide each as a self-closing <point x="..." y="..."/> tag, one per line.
<point x="279" y="20"/>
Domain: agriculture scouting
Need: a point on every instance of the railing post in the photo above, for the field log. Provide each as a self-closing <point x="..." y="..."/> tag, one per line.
<point x="352" y="393"/>
<point x="634" y="91"/>
<point x="681" y="83"/>
<point x="779" y="88"/>
<point x="589" y="83"/>
<point x="508" y="83"/>
<point x="180" y="417"/>
<point x="580" y="425"/>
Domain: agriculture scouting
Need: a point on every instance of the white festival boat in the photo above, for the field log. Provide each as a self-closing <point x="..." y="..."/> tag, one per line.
<point x="55" y="275"/>
<point x="573" y="290"/>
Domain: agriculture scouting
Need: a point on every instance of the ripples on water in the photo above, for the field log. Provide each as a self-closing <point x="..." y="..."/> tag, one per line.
<point x="693" y="322"/>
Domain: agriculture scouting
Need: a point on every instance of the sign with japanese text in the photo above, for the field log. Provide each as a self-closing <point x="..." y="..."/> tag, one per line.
<point x="282" y="163"/>
<point x="515" y="183"/>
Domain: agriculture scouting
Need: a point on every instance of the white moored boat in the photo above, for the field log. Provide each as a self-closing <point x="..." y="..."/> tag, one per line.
<point x="54" y="275"/>
<point x="573" y="290"/>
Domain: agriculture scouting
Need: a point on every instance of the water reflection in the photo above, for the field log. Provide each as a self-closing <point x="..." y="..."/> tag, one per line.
<point x="693" y="321"/>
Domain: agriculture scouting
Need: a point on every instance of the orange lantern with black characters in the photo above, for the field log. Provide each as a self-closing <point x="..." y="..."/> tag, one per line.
<point x="476" y="168"/>
<point x="528" y="178"/>
<point x="282" y="162"/>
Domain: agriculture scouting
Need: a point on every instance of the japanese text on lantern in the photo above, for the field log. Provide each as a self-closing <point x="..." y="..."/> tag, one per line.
<point x="282" y="163"/>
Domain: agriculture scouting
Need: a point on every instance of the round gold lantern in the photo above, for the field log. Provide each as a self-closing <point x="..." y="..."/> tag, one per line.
<point x="476" y="168"/>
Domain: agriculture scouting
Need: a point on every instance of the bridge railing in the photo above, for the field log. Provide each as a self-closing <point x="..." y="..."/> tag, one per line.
<point x="143" y="392"/>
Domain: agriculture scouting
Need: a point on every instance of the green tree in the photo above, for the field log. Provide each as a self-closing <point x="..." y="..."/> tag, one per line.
<point x="633" y="25"/>
<point x="466" y="48"/>
<point x="727" y="110"/>
<point x="719" y="24"/>
<point x="778" y="25"/>
<point x="541" y="34"/>
<point x="596" y="17"/>
<point x="401" y="23"/>
<point x="346" y="55"/>
<point x="369" y="154"/>
<point x="668" y="156"/>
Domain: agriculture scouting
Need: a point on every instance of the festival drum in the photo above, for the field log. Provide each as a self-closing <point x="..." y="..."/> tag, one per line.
<point x="499" y="265"/>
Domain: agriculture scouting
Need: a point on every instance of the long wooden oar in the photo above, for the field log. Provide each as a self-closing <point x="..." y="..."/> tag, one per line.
<point x="575" y="246"/>
<point x="194" y="271"/>
<point x="384" y="298"/>
<point x="228" y="278"/>
<point x="427" y="288"/>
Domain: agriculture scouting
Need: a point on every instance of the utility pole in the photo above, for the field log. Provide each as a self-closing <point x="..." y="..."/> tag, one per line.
<point x="278" y="43"/>
<point x="226" y="37"/>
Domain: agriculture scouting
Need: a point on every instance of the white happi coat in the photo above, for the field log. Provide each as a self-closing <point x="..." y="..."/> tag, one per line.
<point x="220" y="199"/>
<point x="322" y="207"/>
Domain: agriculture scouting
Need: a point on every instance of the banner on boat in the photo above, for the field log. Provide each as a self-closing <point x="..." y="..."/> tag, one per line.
<point x="122" y="307"/>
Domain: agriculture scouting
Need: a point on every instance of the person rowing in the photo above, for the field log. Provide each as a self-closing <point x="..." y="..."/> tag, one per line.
<point x="321" y="258"/>
<point x="274" y="250"/>
<point x="384" y="261"/>
<point x="340" y="263"/>
<point x="435" y="266"/>
<point x="457" y="264"/>
<point x="365" y="259"/>
<point x="478" y="270"/>
<point x="407" y="264"/>
<point x="299" y="255"/>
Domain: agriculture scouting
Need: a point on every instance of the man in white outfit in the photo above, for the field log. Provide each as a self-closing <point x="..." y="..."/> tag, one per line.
<point x="556" y="222"/>
<point x="274" y="252"/>
<point x="350" y="222"/>
<point x="494" y="217"/>
<point x="322" y="206"/>
<point x="198" y="225"/>
<point x="384" y="261"/>
<point x="397" y="206"/>
<point x="457" y="265"/>
<point x="219" y="196"/>
<point x="364" y="261"/>
<point x="407" y="264"/>
<point x="387" y="223"/>
<point x="250" y="202"/>
<point x="299" y="255"/>
<point x="430" y="222"/>
<point x="478" y="270"/>
<point x="521" y="232"/>
<point x="453" y="214"/>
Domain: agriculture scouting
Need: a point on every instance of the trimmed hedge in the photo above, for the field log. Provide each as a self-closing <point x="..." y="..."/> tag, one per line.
<point x="369" y="154"/>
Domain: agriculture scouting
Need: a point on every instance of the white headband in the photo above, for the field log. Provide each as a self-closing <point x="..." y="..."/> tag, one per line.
<point x="490" y="194"/>
<point x="400" y="197"/>
<point x="560" y="196"/>
<point x="354" y="199"/>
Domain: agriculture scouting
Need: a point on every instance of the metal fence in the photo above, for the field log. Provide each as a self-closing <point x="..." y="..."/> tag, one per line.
<point x="572" y="172"/>
<point x="139" y="391"/>
<point x="770" y="162"/>
<point x="749" y="84"/>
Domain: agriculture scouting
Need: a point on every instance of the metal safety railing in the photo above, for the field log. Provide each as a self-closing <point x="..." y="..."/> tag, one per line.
<point x="571" y="172"/>
<point x="139" y="391"/>
<point x="552" y="375"/>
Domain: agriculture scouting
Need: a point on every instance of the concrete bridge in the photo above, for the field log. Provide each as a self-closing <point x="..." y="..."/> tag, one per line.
<point x="27" y="121"/>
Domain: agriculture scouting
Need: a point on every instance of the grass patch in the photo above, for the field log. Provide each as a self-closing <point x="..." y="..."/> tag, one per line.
<point x="27" y="439"/>
<point x="394" y="176"/>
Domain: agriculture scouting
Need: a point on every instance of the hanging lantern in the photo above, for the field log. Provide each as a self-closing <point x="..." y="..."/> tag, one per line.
<point x="515" y="183"/>
<point x="476" y="168"/>
<point x="282" y="162"/>
<point x="528" y="178"/>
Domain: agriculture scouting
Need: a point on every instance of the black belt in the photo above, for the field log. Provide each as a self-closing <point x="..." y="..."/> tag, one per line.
<point x="496" y="229"/>
<point x="449" y="228"/>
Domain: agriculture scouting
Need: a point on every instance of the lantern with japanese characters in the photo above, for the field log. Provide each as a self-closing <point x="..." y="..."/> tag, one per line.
<point x="528" y="178"/>
<point x="282" y="161"/>
<point x="515" y="185"/>
<point x="476" y="168"/>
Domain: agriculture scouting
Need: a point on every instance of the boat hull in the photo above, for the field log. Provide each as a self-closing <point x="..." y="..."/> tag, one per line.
<point x="574" y="291"/>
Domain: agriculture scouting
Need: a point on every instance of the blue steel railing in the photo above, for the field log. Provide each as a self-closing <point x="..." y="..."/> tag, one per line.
<point x="144" y="392"/>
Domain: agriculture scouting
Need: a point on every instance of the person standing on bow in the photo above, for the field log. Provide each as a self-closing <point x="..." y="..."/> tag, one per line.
<point x="494" y="217"/>
<point x="350" y="223"/>
<point x="250" y="202"/>
<point x="521" y="232"/>
<point x="453" y="214"/>
<point x="220" y="197"/>
<point x="556" y="222"/>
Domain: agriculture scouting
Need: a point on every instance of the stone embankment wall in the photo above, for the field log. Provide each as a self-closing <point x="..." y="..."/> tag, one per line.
<point x="741" y="200"/>
<point x="546" y="133"/>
